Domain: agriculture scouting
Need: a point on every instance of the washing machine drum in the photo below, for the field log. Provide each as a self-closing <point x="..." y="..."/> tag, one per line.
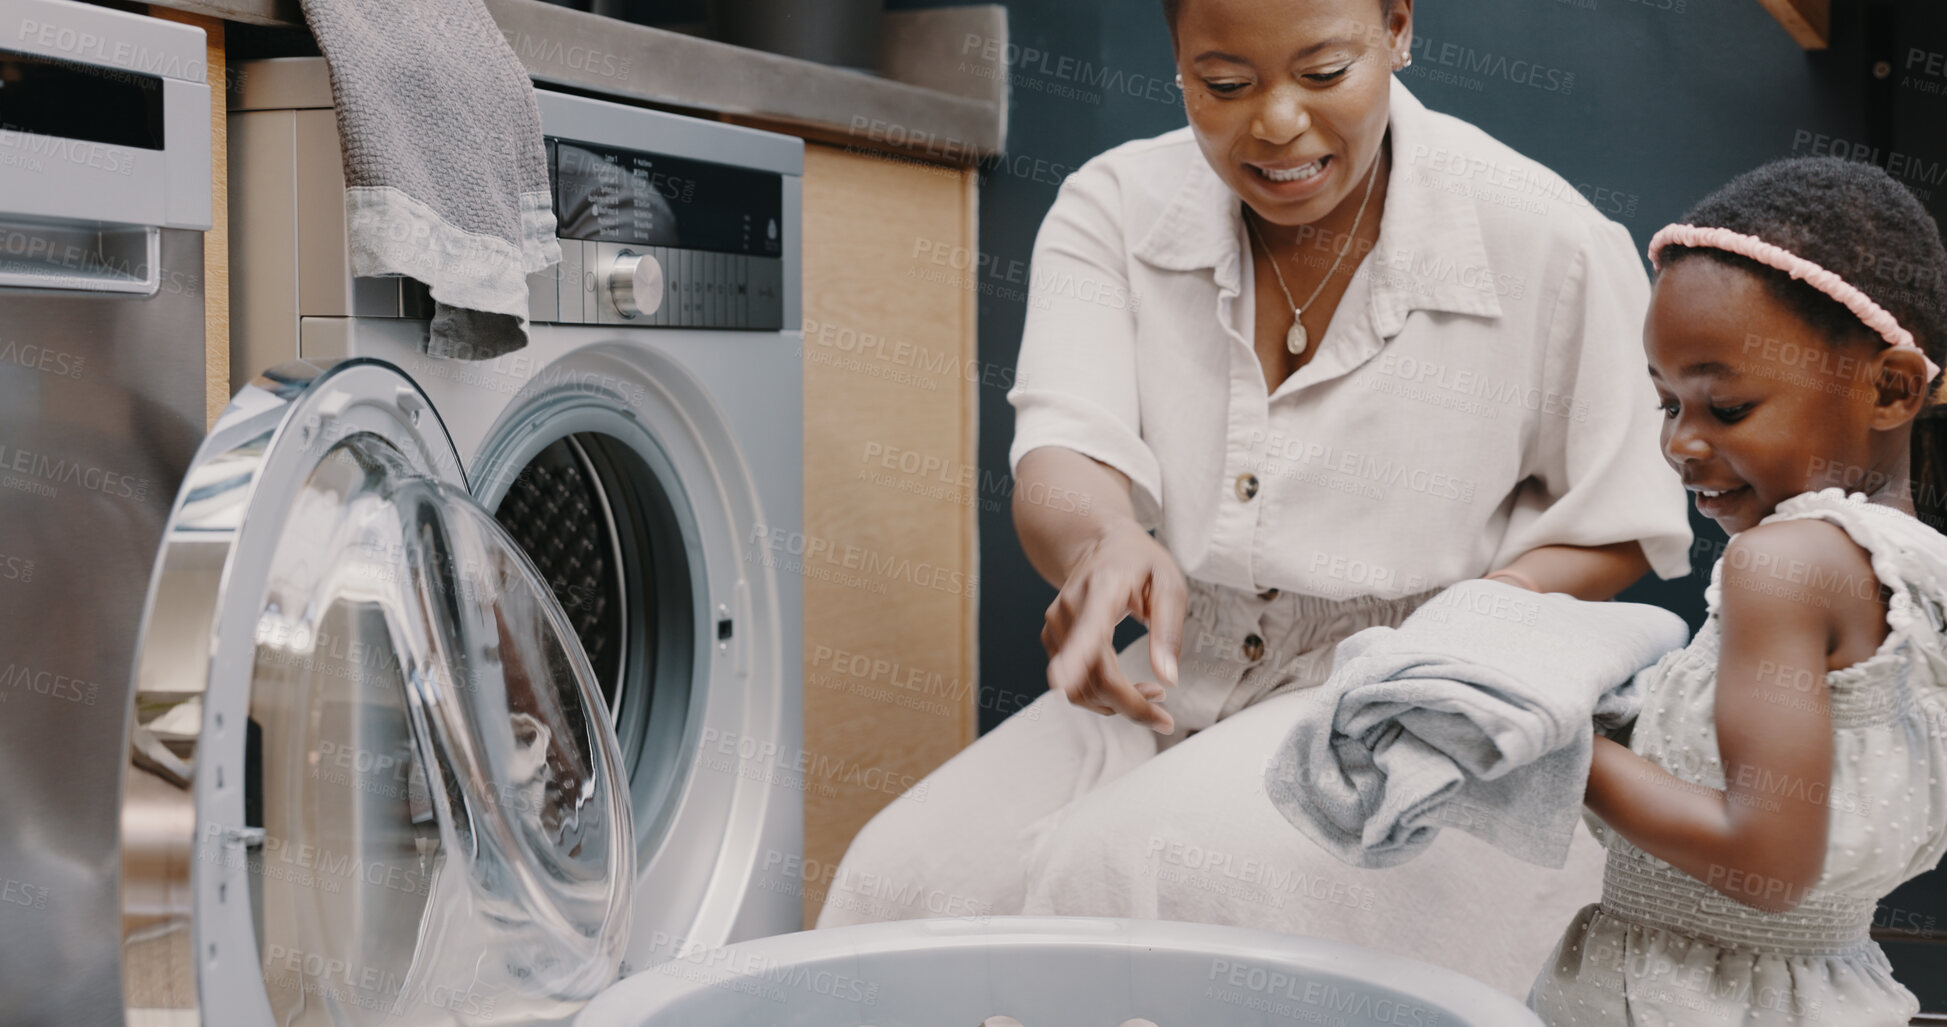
<point x="408" y="801"/>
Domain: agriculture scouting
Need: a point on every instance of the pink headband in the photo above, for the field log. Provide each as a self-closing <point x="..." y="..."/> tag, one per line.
<point x="1875" y="316"/>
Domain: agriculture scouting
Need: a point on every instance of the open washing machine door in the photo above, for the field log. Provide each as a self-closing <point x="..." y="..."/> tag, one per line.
<point x="371" y="778"/>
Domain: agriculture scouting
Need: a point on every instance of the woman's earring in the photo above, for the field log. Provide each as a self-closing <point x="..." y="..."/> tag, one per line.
<point x="1179" y="80"/>
<point x="1405" y="61"/>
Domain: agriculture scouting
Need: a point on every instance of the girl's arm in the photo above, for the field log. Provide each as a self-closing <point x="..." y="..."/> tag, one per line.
<point x="1790" y="590"/>
<point x="1585" y="572"/>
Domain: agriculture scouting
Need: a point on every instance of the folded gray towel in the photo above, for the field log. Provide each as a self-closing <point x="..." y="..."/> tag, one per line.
<point x="446" y="174"/>
<point x="1477" y="712"/>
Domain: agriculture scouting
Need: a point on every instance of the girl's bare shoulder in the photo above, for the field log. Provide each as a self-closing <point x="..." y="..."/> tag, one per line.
<point x="1802" y="572"/>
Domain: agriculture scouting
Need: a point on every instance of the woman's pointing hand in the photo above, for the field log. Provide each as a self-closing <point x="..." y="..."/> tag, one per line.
<point x="1125" y="572"/>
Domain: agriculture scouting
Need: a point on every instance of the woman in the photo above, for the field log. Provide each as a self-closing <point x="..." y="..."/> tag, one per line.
<point x="1317" y="449"/>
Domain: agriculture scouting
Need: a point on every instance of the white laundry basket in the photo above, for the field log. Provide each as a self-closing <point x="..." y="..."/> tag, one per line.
<point x="1048" y="972"/>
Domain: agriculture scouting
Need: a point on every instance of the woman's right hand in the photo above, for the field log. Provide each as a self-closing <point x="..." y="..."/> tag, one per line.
<point x="1123" y="572"/>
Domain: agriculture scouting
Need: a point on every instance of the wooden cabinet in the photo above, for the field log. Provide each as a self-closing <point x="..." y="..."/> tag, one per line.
<point x="216" y="241"/>
<point x="1808" y="21"/>
<point x="890" y="486"/>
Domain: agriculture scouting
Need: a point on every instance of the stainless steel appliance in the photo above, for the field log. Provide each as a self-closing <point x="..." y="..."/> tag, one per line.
<point x="104" y="196"/>
<point x="421" y="691"/>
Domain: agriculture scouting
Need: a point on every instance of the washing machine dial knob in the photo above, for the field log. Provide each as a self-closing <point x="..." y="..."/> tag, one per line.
<point x="635" y="284"/>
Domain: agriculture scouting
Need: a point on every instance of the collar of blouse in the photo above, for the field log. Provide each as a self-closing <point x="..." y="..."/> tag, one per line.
<point x="1429" y="244"/>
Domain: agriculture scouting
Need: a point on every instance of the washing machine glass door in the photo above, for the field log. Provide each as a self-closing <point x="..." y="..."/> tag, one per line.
<point x="406" y="795"/>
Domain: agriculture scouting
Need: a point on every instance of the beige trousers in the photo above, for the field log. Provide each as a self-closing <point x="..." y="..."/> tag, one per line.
<point x="1063" y="811"/>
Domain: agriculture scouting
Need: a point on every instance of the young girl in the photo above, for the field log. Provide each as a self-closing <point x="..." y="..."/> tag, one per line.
<point x="1790" y="765"/>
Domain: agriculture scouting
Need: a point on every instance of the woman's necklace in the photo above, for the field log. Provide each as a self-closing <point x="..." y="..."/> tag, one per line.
<point x="1296" y="340"/>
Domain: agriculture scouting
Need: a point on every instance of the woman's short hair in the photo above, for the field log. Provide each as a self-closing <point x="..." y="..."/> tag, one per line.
<point x="1172" y="7"/>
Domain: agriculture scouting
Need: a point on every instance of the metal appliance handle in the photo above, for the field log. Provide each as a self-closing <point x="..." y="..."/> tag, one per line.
<point x="120" y="259"/>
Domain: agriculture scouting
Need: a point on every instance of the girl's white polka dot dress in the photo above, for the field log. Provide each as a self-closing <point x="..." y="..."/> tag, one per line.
<point x="1664" y="949"/>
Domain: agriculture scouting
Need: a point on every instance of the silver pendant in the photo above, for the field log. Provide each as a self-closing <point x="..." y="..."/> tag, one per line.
<point x="1295" y="339"/>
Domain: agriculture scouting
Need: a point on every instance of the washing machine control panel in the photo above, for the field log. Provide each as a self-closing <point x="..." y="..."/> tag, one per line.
<point x="660" y="241"/>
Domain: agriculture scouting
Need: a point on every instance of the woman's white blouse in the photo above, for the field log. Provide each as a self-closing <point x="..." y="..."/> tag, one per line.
<point x="1480" y="391"/>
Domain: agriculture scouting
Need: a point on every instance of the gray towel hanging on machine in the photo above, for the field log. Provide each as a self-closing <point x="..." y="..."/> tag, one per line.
<point x="445" y="171"/>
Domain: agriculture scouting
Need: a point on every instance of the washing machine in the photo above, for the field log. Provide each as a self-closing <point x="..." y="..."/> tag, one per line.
<point x="464" y="685"/>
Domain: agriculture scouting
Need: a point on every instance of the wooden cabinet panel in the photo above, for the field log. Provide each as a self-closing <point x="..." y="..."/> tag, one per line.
<point x="216" y="241"/>
<point x="890" y="487"/>
<point x="1808" y="21"/>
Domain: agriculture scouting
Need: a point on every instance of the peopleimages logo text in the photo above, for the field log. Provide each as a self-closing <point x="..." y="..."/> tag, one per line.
<point x="119" y="53"/>
<point x="1467" y="59"/>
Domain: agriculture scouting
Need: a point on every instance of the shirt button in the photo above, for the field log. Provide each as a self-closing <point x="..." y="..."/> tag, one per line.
<point x="1253" y="648"/>
<point x="1246" y="486"/>
<point x="1268" y="594"/>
